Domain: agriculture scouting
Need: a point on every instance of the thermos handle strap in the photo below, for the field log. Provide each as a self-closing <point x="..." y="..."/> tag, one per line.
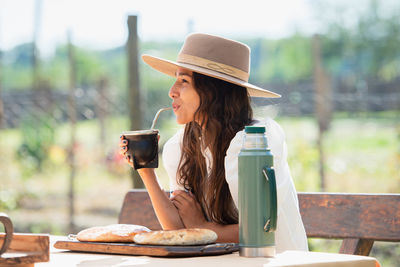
<point x="270" y="224"/>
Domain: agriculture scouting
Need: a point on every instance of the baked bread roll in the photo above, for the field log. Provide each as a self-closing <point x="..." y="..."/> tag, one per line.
<point x="193" y="236"/>
<point x="111" y="233"/>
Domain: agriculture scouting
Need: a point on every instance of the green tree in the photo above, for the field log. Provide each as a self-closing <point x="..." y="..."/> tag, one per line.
<point x="367" y="47"/>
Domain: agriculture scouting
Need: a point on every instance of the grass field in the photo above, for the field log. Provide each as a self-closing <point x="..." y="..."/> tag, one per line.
<point x="362" y="155"/>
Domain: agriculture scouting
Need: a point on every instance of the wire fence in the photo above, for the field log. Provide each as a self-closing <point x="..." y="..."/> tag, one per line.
<point x="91" y="103"/>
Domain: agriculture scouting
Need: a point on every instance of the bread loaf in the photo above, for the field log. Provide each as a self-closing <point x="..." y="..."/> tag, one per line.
<point x="193" y="236"/>
<point x="111" y="233"/>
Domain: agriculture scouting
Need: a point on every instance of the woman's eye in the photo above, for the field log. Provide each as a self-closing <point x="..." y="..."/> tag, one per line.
<point x="184" y="80"/>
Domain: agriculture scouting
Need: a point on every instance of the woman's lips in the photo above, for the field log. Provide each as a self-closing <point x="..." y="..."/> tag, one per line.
<point x="175" y="107"/>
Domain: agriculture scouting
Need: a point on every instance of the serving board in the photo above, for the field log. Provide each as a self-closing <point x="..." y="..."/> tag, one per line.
<point x="26" y="249"/>
<point x="148" y="250"/>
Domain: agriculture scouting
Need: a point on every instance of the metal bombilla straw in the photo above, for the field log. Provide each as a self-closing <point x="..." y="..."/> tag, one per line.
<point x="158" y="115"/>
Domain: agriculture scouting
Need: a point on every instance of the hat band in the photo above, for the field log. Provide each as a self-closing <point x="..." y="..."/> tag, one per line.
<point x="212" y="65"/>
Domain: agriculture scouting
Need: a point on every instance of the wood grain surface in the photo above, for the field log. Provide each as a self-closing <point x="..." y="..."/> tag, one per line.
<point x="366" y="216"/>
<point x="148" y="250"/>
<point x="358" y="219"/>
<point x="26" y="249"/>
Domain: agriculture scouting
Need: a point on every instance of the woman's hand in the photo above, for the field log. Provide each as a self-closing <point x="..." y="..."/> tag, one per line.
<point x="123" y="147"/>
<point x="189" y="209"/>
<point x="191" y="214"/>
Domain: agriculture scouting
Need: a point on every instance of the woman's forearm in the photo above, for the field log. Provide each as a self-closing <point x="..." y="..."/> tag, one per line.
<point x="228" y="233"/>
<point x="166" y="212"/>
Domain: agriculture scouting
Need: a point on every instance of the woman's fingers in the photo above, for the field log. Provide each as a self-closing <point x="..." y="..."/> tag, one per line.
<point x="183" y="200"/>
<point x="189" y="208"/>
<point x="123" y="142"/>
<point x="123" y="148"/>
<point x="128" y="159"/>
<point x="177" y="199"/>
<point x="176" y="203"/>
<point x="179" y="193"/>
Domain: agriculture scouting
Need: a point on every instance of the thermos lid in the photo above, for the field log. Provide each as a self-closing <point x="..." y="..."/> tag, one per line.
<point x="254" y="129"/>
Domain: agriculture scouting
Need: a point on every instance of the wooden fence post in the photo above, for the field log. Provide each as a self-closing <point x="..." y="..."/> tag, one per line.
<point x="322" y="101"/>
<point x="72" y="118"/>
<point x="102" y="109"/>
<point x="134" y="97"/>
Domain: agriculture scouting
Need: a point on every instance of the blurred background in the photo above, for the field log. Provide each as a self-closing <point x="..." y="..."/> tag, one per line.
<point x="71" y="80"/>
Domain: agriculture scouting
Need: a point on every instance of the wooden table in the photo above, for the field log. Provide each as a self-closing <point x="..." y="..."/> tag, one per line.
<point x="288" y="258"/>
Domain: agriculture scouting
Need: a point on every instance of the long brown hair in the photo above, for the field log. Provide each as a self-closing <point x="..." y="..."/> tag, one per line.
<point x="223" y="111"/>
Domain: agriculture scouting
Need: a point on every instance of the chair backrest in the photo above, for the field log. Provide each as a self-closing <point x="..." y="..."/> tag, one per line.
<point x="358" y="219"/>
<point x="137" y="209"/>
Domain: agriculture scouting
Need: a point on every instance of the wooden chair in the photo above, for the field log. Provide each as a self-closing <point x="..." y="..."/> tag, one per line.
<point x="358" y="219"/>
<point x="137" y="209"/>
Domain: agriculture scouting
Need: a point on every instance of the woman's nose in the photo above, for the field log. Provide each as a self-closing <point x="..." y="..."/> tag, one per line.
<point x="174" y="91"/>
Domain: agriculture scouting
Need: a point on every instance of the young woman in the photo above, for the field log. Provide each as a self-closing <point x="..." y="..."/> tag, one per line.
<point x="211" y="97"/>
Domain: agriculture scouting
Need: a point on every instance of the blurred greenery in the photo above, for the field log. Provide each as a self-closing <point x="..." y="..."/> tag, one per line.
<point x="37" y="136"/>
<point x="370" y="46"/>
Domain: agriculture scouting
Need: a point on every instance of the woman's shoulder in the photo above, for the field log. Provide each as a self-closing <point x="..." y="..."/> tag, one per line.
<point x="176" y="138"/>
<point x="270" y="125"/>
<point x="173" y="145"/>
<point x="274" y="133"/>
<point x="171" y="153"/>
<point x="275" y="137"/>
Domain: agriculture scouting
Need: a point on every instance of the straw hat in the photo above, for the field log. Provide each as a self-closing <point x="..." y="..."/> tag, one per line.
<point x="213" y="56"/>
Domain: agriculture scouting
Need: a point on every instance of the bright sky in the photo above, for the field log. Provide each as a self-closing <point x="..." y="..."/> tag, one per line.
<point x="102" y="23"/>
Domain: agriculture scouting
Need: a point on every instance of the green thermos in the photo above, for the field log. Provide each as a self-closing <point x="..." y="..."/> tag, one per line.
<point x="257" y="196"/>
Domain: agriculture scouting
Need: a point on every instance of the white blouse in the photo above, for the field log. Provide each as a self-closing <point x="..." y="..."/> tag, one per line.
<point x="290" y="233"/>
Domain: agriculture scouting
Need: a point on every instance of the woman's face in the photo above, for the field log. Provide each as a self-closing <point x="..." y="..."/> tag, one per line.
<point x="185" y="100"/>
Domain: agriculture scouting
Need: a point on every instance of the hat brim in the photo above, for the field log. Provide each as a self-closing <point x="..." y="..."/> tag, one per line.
<point x="169" y="67"/>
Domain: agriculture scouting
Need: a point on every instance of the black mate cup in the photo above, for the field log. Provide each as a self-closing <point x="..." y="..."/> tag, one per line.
<point x="143" y="148"/>
<point x="9" y="229"/>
